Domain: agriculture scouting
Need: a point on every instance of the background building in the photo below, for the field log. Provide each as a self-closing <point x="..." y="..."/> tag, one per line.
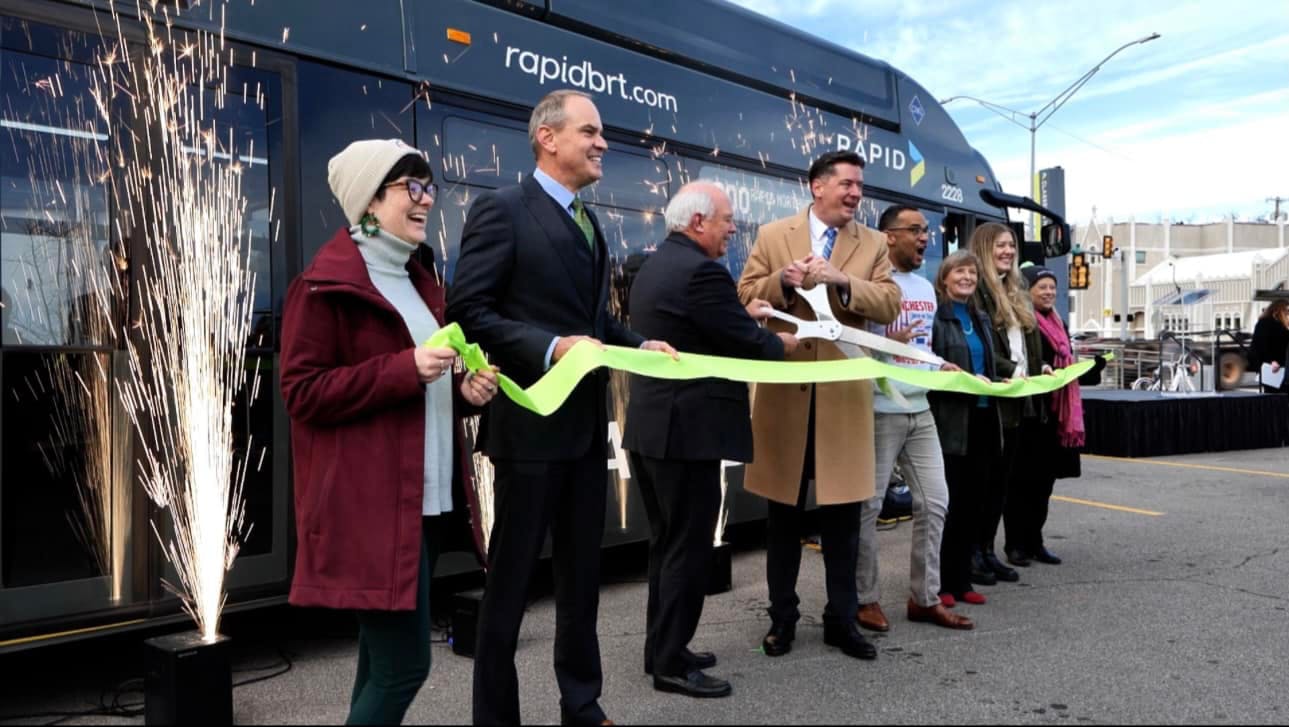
<point x="1234" y="260"/>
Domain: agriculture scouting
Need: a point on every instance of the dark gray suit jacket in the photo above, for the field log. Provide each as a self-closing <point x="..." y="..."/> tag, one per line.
<point x="524" y="276"/>
<point x="684" y="297"/>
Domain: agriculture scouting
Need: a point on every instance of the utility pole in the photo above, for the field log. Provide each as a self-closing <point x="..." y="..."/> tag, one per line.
<point x="1277" y="201"/>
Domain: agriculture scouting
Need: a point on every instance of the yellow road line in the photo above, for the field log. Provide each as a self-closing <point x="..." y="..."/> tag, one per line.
<point x="1213" y="468"/>
<point x="1092" y="503"/>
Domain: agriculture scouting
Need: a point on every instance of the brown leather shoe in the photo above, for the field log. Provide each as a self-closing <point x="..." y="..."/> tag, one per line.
<point x="870" y="616"/>
<point x="938" y="615"/>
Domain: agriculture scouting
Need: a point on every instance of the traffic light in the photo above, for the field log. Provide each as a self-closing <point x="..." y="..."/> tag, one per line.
<point x="1078" y="271"/>
<point x="1107" y="246"/>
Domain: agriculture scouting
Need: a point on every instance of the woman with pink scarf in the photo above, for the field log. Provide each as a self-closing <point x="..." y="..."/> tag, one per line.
<point x="1051" y="449"/>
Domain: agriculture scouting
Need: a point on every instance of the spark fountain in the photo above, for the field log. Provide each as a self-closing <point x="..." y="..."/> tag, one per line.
<point x="180" y="194"/>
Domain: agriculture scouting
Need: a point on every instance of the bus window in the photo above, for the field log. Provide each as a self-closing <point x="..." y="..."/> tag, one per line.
<point x="935" y="248"/>
<point x="61" y="543"/>
<point x="631" y="181"/>
<point x="484" y="154"/>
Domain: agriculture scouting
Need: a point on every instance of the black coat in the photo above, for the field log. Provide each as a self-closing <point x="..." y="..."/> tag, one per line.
<point x="1270" y="343"/>
<point x="690" y="300"/>
<point x="526" y="275"/>
<point x="953" y="411"/>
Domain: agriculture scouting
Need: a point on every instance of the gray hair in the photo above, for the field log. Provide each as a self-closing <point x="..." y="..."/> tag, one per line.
<point x="693" y="199"/>
<point x="550" y="112"/>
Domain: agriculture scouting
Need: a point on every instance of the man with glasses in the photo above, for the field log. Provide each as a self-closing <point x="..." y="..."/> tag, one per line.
<point x="909" y="435"/>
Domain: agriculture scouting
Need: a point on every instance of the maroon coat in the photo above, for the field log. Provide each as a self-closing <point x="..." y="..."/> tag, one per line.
<point x="357" y="411"/>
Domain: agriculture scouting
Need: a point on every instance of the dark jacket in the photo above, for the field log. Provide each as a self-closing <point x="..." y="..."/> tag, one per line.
<point x="357" y="411"/>
<point x="526" y="275"/>
<point x="1060" y="462"/>
<point x="1012" y="409"/>
<point x="1270" y="343"/>
<point x="953" y="411"/>
<point x="690" y="300"/>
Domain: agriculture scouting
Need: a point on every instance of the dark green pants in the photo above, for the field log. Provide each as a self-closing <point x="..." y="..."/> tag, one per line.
<point x="394" y="648"/>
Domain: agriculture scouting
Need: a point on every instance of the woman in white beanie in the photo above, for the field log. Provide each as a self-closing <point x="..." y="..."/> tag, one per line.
<point x="377" y="445"/>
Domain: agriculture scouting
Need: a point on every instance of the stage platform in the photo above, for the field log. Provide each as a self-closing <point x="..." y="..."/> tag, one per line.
<point x="1150" y="424"/>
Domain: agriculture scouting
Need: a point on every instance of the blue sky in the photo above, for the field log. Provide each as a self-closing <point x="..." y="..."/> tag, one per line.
<point x="1191" y="126"/>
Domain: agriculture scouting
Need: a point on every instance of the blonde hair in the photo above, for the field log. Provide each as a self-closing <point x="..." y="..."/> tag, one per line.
<point x="1012" y="306"/>
<point x="959" y="259"/>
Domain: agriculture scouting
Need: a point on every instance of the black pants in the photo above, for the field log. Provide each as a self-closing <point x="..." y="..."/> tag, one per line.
<point x="568" y="500"/>
<point x="1027" y="509"/>
<point x="838" y="536"/>
<point x="394" y="647"/>
<point x="966" y="476"/>
<point x="683" y="501"/>
<point x="997" y="490"/>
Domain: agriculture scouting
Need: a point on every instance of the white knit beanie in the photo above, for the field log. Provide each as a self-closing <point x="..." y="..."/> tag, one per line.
<point x="356" y="173"/>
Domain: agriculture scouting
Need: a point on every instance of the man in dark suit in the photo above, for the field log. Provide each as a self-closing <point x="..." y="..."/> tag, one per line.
<point x="533" y="280"/>
<point x="679" y="431"/>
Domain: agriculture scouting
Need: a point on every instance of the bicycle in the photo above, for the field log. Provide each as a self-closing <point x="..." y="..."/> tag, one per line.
<point x="1174" y="374"/>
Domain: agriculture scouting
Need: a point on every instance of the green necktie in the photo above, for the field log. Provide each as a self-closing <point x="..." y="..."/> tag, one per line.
<point x="584" y="221"/>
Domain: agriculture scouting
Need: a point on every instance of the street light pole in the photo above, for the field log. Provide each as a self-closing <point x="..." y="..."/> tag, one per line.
<point x="1040" y="117"/>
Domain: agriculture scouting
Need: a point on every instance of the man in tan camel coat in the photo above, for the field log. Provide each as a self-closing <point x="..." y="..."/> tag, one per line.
<point x="822" y="432"/>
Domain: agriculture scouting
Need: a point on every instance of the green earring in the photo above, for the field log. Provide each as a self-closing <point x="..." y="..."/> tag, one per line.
<point x="369" y="224"/>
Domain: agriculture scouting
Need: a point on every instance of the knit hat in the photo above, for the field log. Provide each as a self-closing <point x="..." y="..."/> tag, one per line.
<point x="355" y="174"/>
<point x="1034" y="273"/>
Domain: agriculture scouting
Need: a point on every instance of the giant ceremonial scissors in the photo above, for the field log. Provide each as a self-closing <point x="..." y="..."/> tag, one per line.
<point x="851" y="341"/>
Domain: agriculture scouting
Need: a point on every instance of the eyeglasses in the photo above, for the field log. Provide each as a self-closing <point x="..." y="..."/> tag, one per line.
<point x="915" y="229"/>
<point x="417" y="190"/>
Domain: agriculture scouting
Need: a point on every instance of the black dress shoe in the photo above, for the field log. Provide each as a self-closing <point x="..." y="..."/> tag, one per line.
<point x="779" y="640"/>
<point x="693" y="660"/>
<point x="693" y="684"/>
<point x="981" y="574"/>
<point x="849" y="640"/>
<point x="1043" y="555"/>
<point x="1018" y="558"/>
<point x="1000" y="571"/>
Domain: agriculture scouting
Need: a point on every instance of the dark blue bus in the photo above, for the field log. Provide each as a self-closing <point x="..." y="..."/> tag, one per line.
<point x="687" y="89"/>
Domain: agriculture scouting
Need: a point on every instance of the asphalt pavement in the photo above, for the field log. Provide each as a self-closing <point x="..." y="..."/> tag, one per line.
<point x="1170" y="607"/>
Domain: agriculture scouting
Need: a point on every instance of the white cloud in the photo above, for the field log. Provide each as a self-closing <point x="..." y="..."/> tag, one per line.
<point x="1190" y="124"/>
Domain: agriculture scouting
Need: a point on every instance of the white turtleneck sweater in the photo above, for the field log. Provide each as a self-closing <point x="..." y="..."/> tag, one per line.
<point x="386" y="257"/>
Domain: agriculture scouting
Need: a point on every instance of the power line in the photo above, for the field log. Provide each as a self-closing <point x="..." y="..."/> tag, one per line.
<point x="1277" y="201"/>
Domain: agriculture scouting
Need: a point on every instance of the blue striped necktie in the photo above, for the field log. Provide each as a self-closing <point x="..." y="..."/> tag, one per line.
<point x="831" y="235"/>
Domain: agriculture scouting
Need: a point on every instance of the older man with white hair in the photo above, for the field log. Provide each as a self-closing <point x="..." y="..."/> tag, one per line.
<point x="679" y="431"/>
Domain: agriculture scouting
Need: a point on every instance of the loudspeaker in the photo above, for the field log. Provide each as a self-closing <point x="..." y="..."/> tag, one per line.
<point x="721" y="579"/>
<point x="465" y="621"/>
<point x="187" y="680"/>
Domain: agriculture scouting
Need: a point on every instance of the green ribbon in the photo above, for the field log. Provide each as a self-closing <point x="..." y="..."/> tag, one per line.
<point x="549" y="393"/>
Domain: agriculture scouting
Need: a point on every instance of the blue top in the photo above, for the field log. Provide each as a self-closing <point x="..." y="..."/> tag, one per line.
<point x="974" y="342"/>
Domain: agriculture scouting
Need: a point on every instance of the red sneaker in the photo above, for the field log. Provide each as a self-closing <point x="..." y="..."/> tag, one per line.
<point x="948" y="600"/>
<point x="971" y="597"/>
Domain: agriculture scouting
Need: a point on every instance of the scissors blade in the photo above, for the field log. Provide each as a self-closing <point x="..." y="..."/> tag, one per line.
<point x="827" y="330"/>
<point x="874" y="342"/>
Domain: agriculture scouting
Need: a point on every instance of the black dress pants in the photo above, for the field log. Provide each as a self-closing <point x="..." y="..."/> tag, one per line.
<point x="1028" y="504"/>
<point x="567" y="499"/>
<point x="683" y="501"/>
<point x="997" y="490"/>
<point x="838" y="536"/>
<point x="966" y="476"/>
